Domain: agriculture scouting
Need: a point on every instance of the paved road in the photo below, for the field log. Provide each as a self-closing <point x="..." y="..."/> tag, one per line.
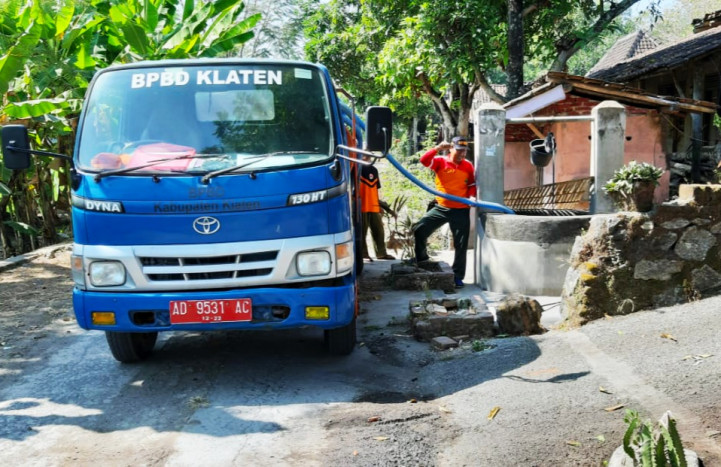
<point x="277" y="399"/>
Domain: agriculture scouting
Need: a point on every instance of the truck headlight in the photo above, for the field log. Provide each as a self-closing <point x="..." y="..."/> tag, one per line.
<point x="313" y="263"/>
<point x="107" y="273"/>
<point x="343" y="257"/>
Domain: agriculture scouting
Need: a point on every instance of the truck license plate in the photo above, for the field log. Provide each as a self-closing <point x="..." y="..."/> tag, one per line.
<point x="210" y="311"/>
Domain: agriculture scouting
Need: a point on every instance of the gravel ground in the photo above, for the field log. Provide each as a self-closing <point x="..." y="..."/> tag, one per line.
<point x="276" y="399"/>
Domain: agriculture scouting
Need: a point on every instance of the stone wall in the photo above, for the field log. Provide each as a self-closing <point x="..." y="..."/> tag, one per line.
<point x="627" y="261"/>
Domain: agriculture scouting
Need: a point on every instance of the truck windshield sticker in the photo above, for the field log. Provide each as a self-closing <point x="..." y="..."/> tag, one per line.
<point x="302" y="73"/>
<point x="207" y="77"/>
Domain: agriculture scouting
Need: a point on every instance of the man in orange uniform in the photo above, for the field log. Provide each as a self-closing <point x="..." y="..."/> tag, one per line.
<point x="371" y="211"/>
<point x="455" y="176"/>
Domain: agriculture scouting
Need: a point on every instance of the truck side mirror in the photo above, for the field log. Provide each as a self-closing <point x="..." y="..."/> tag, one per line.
<point x="15" y="147"/>
<point x="379" y="129"/>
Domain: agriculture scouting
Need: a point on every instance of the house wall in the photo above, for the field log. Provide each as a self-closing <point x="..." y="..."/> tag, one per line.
<point x="518" y="172"/>
<point x="573" y="156"/>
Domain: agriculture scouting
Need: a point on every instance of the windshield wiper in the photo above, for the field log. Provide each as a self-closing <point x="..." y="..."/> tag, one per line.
<point x="124" y="170"/>
<point x="247" y="162"/>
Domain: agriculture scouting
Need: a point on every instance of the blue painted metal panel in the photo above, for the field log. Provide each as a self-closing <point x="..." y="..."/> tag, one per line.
<point x="339" y="299"/>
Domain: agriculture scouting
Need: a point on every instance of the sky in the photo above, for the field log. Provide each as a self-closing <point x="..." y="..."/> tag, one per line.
<point x="643" y="5"/>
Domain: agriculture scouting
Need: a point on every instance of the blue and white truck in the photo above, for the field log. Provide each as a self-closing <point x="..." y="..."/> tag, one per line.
<point x="214" y="195"/>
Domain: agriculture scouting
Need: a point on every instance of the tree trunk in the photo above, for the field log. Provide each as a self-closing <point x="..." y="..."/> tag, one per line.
<point x="514" y="71"/>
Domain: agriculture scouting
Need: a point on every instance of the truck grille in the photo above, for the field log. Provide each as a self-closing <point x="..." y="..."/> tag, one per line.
<point x="208" y="267"/>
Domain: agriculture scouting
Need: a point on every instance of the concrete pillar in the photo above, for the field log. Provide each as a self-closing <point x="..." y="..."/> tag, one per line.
<point x="608" y="133"/>
<point x="489" y="137"/>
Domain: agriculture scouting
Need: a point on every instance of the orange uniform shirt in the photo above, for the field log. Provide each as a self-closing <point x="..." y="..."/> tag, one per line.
<point x="370" y="183"/>
<point x="454" y="179"/>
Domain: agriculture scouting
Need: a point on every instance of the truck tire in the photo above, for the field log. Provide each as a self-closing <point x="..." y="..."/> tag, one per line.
<point x="341" y="341"/>
<point x="130" y="347"/>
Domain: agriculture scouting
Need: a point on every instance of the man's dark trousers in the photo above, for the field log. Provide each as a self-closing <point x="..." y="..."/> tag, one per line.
<point x="374" y="221"/>
<point x="460" y="222"/>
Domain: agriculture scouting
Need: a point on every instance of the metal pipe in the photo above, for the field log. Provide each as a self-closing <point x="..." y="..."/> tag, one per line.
<point x="567" y="118"/>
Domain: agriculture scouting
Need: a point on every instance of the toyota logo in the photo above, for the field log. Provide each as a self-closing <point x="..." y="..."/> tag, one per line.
<point x="206" y="225"/>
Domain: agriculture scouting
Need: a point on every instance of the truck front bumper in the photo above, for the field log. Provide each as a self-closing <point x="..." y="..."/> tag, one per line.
<point x="272" y="308"/>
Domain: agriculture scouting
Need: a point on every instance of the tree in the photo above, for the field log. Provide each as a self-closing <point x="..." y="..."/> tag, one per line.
<point x="279" y="32"/>
<point x="677" y="19"/>
<point x="52" y="49"/>
<point x="449" y="51"/>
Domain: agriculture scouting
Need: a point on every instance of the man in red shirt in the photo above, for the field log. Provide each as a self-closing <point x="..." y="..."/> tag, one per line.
<point x="455" y="176"/>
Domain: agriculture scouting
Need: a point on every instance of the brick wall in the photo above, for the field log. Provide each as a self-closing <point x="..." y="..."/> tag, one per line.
<point x="570" y="106"/>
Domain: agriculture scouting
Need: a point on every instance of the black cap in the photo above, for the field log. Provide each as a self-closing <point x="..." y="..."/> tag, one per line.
<point x="460" y="142"/>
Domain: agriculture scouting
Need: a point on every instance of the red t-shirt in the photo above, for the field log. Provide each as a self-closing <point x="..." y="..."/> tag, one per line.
<point x="454" y="179"/>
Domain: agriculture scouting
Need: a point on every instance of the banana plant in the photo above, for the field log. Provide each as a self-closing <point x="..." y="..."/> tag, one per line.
<point x="51" y="51"/>
<point x="154" y="29"/>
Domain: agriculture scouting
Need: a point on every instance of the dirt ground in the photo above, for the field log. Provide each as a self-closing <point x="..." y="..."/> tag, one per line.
<point x="393" y="402"/>
<point x="36" y="303"/>
<point x="382" y="426"/>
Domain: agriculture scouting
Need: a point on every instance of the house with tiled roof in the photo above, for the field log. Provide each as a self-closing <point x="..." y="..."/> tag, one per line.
<point x="688" y="68"/>
<point x="655" y="83"/>
<point x="626" y="48"/>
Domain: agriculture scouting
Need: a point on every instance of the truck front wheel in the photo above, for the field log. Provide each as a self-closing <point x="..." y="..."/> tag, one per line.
<point x="129" y="347"/>
<point x="341" y="341"/>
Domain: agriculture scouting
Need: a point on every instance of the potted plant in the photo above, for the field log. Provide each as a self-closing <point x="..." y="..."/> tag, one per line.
<point x="633" y="185"/>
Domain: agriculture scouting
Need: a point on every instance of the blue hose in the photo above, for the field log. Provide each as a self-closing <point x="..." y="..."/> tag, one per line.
<point x="347" y="111"/>
<point x="478" y="204"/>
<point x="347" y="118"/>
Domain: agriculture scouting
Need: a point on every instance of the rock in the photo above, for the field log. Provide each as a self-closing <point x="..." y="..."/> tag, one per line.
<point x="661" y="270"/>
<point x="435" y="309"/>
<point x="443" y="343"/>
<point x="665" y="241"/>
<point x="519" y="315"/>
<point x="716" y="228"/>
<point x="675" y="224"/>
<point x="694" y="244"/>
<point x="705" y="278"/>
<point x="669" y="297"/>
<point x="701" y="222"/>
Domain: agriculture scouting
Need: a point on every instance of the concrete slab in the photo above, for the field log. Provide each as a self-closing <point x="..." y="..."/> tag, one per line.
<point x="396" y="301"/>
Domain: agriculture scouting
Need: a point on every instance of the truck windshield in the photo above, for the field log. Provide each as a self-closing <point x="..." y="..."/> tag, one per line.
<point x="202" y="119"/>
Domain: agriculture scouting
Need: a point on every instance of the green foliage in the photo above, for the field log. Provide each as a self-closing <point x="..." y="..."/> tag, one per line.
<point x="594" y="50"/>
<point x="51" y="50"/>
<point x="624" y="178"/>
<point x="396" y="52"/>
<point x="479" y="346"/>
<point x="21" y="227"/>
<point x="653" y="447"/>
<point x="279" y="31"/>
<point x="677" y="18"/>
